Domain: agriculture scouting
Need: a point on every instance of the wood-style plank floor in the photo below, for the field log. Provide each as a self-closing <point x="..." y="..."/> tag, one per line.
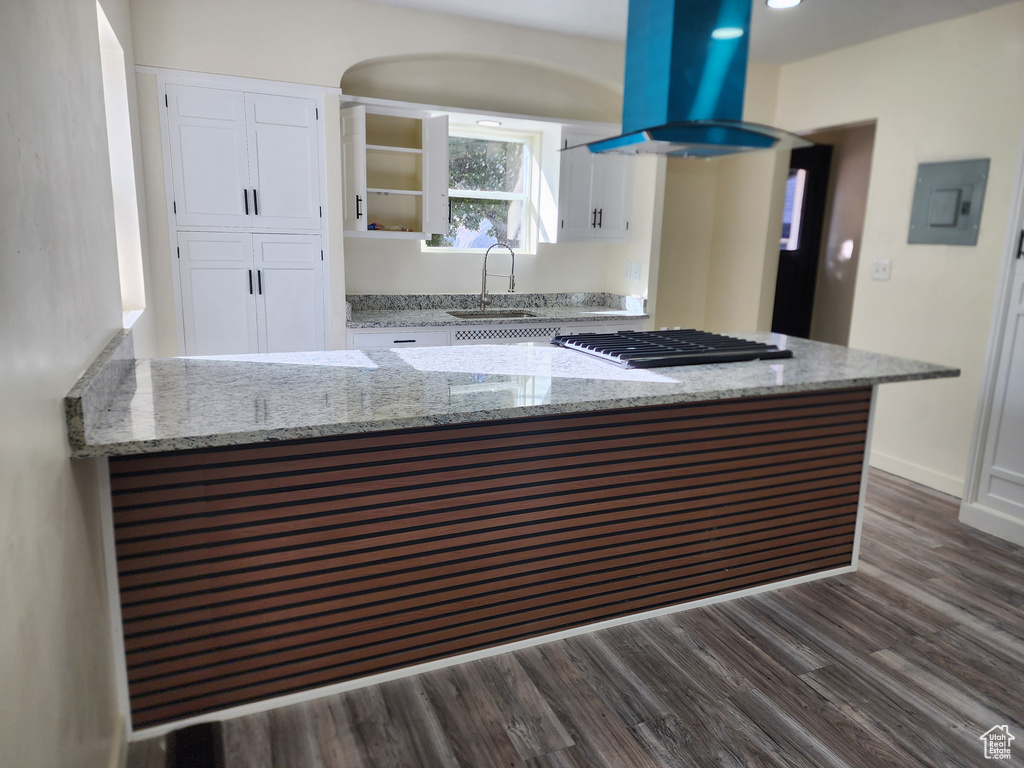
<point x="904" y="663"/>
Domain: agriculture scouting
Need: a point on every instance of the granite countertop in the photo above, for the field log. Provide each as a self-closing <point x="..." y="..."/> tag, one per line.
<point x="126" y="406"/>
<point x="414" y="311"/>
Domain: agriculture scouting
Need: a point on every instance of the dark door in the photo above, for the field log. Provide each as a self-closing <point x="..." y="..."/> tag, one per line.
<point x="802" y="224"/>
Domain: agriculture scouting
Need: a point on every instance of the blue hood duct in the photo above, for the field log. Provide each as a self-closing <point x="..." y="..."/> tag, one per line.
<point x="686" y="70"/>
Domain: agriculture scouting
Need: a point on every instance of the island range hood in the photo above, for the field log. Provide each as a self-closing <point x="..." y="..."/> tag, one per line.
<point x="686" y="70"/>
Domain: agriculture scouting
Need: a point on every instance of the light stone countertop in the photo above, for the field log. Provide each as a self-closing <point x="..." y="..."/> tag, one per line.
<point x="183" y="403"/>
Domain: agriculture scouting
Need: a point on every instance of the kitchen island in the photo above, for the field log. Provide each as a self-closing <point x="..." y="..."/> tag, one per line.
<point x="290" y="523"/>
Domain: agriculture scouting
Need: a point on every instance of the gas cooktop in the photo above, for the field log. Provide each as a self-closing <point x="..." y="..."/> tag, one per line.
<point x="658" y="349"/>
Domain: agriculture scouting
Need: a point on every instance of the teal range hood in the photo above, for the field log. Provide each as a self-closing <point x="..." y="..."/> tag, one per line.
<point x="686" y="70"/>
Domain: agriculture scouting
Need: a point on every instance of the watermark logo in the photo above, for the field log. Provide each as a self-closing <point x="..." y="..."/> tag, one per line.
<point x="997" y="742"/>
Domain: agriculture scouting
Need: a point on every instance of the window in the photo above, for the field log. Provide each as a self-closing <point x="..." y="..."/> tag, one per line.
<point x="489" y="192"/>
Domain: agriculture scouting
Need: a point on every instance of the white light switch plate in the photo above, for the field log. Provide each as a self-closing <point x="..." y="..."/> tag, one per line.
<point x="881" y="269"/>
<point x="629" y="269"/>
<point x="636" y="270"/>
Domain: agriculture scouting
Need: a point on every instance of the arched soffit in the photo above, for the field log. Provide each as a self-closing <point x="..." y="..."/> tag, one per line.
<point x="486" y="84"/>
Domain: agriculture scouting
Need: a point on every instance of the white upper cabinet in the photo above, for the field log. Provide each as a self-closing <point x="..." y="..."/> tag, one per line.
<point x="353" y="167"/>
<point x="243" y="159"/>
<point x="284" y="164"/>
<point x="595" y="192"/>
<point x="209" y="159"/>
<point x="395" y="173"/>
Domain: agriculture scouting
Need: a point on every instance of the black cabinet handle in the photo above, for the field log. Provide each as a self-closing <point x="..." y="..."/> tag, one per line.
<point x="250" y="282"/>
<point x="359" y="213"/>
<point x="600" y="217"/>
<point x="255" y="204"/>
<point x="593" y="218"/>
<point x="449" y="210"/>
<point x="404" y="341"/>
<point x="245" y="197"/>
<point x="1020" y="246"/>
<point x="259" y="281"/>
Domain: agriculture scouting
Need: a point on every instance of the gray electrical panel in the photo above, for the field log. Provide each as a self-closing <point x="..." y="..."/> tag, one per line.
<point x="947" y="202"/>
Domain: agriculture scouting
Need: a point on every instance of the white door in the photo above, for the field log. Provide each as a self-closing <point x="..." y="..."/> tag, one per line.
<point x="577" y="214"/>
<point x="435" y="175"/>
<point x="1002" y="476"/>
<point x="217" y="283"/>
<point x="209" y="167"/>
<point x="613" y="182"/>
<point x="353" y="167"/>
<point x="283" y="161"/>
<point x="289" y="292"/>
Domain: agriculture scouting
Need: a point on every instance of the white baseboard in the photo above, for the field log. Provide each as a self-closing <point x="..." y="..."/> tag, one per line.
<point x="119" y="744"/>
<point x="940" y="481"/>
<point x="1006" y="527"/>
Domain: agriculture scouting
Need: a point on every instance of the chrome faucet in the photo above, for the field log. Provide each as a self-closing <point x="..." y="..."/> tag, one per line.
<point x="484" y="301"/>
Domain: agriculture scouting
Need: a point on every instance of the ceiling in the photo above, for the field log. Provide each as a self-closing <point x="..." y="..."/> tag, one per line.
<point x="776" y="37"/>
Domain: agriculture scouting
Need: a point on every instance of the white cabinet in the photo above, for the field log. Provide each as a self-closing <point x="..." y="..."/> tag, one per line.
<point x="395" y="173"/>
<point x="398" y="337"/>
<point x="243" y="293"/>
<point x="595" y="191"/>
<point x="241" y="159"/>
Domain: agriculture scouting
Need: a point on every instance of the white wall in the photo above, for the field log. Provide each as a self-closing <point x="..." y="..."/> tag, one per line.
<point x="59" y="305"/>
<point x="950" y="91"/>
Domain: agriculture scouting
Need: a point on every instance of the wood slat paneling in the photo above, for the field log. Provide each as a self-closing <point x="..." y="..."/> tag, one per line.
<point x="254" y="571"/>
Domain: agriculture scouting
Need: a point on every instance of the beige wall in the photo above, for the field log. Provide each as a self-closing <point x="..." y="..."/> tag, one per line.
<point x="720" y="232"/>
<point x="950" y="91"/>
<point x="59" y="305"/>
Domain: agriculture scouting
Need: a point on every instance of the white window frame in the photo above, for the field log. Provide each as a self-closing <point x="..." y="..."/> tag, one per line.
<point x="531" y="184"/>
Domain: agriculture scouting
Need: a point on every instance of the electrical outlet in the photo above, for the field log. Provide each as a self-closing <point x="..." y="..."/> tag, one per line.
<point x="881" y="269"/>
<point x="636" y="270"/>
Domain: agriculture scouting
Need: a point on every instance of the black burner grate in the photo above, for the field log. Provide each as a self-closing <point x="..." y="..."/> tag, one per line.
<point x="658" y="349"/>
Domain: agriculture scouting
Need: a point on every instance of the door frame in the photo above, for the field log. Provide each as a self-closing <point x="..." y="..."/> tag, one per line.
<point x="971" y="512"/>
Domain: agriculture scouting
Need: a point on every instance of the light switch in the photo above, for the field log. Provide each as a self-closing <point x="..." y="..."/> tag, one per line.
<point x="629" y="270"/>
<point x="881" y="269"/>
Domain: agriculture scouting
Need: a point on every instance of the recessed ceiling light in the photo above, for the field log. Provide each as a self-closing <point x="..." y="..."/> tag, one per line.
<point x="727" y="33"/>
<point x="782" y="3"/>
<point x="489" y="123"/>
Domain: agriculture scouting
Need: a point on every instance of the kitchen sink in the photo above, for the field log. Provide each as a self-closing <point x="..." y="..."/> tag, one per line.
<point x="493" y="314"/>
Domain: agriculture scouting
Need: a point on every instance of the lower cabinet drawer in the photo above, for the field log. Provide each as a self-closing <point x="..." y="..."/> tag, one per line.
<point x="400" y="339"/>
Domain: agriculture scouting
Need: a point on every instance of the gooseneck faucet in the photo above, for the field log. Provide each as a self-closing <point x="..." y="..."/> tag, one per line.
<point x="484" y="301"/>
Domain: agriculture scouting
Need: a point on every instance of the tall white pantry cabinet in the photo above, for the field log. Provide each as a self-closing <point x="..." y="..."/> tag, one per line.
<point x="247" y="220"/>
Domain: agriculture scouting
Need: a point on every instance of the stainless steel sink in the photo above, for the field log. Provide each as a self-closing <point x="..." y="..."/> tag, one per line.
<point x="493" y="314"/>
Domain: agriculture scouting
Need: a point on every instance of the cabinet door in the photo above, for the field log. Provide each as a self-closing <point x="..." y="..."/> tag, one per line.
<point x="353" y="167"/>
<point x="1002" y="479"/>
<point x="289" y="292"/>
<point x="284" y="161"/>
<point x="612" y="195"/>
<point x="576" y="212"/>
<point x="209" y="169"/>
<point x="217" y="286"/>
<point x="435" y="175"/>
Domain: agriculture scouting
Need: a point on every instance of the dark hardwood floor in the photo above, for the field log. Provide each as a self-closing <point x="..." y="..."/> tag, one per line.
<point x="905" y="663"/>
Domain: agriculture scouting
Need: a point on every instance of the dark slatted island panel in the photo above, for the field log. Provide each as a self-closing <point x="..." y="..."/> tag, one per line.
<point x="254" y="571"/>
